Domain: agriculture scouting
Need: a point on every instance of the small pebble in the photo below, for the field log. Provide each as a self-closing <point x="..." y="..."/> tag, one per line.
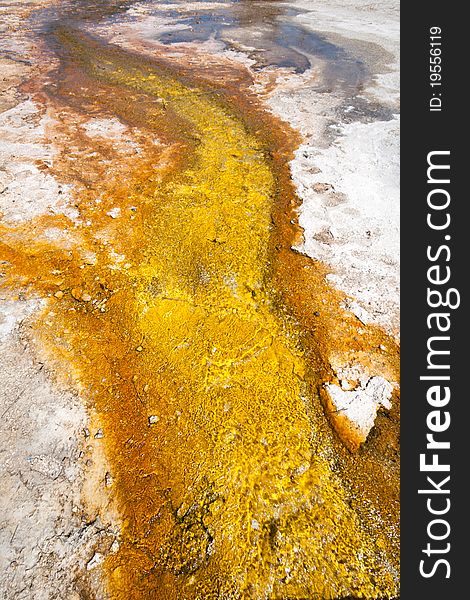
<point x="99" y="434"/>
<point x="114" y="212"/>
<point x="59" y="294"/>
<point x="139" y="349"/>
<point x="76" y="293"/>
<point x="153" y="419"/>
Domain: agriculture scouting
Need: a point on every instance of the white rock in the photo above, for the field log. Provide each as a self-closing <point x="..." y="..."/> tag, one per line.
<point x="353" y="412"/>
<point x="114" y="213"/>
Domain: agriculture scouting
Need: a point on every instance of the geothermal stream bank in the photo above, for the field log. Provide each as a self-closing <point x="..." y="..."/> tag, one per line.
<point x="192" y="410"/>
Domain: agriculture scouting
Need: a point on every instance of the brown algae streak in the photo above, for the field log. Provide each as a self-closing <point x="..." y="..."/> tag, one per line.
<point x="228" y="479"/>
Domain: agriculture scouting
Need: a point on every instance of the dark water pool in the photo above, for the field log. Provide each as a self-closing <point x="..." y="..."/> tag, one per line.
<point x="268" y="31"/>
<point x="265" y="29"/>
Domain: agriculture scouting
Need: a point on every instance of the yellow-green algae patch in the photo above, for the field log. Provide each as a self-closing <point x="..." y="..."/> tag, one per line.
<point x="228" y="479"/>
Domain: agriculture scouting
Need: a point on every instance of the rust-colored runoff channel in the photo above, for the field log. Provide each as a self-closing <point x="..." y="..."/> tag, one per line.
<point x="202" y="341"/>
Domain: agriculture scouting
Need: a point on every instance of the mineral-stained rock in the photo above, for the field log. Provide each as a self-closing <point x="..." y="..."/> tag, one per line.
<point x="353" y="413"/>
